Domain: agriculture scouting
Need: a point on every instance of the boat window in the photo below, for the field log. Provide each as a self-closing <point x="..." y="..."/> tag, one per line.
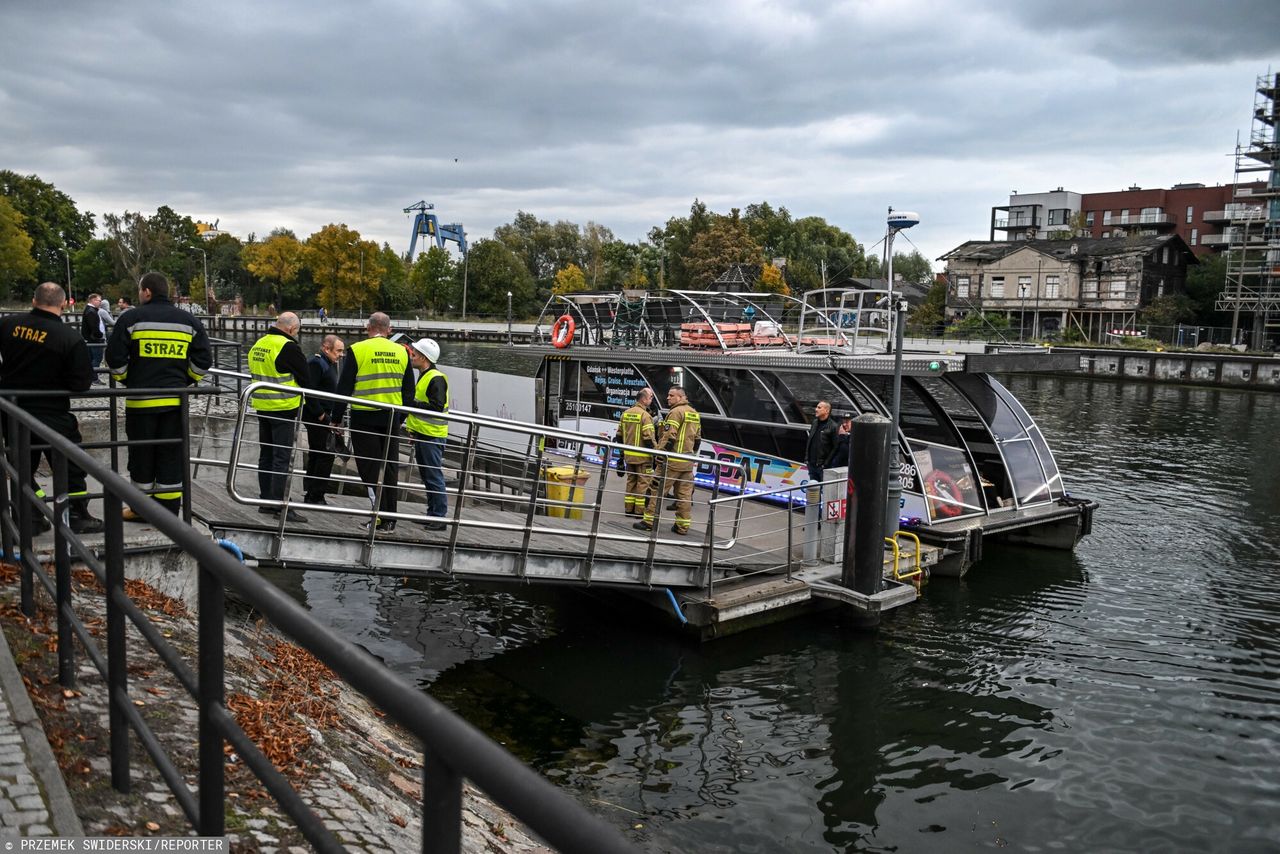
<point x="951" y="490"/>
<point x="659" y="379"/>
<point x="601" y="389"/>
<point x="917" y="418"/>
<point x="1024" y="468"/>
<point x="994" y="409"/>
<point x="741" y="395"/>
<point x="799" y="392"/>
<point x="1030" y="464"/>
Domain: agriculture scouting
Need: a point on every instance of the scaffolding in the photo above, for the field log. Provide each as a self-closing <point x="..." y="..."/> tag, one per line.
<point x="1252" y="285"/>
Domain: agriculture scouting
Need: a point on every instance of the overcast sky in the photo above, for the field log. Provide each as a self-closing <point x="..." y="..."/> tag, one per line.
<point x="271" y="114"/>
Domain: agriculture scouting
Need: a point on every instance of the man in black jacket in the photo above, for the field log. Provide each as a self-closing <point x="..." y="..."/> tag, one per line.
<point x="822" y="440"/>
<point x="93" y="330"/>
<point x="321" y="428"/>
<point x="157" y="346"/>
<point x="39" y="351"/>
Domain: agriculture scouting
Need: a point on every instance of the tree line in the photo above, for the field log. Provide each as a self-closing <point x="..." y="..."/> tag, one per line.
<point x="43" y="233"/>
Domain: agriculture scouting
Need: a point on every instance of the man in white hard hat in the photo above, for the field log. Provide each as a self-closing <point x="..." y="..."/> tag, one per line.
<point x="428" y="430"/>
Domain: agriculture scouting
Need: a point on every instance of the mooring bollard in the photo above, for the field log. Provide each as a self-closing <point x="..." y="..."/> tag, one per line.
<point x="863" y="563"/>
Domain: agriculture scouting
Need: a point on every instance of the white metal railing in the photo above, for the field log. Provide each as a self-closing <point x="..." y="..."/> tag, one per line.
<point x="484" y="451"/>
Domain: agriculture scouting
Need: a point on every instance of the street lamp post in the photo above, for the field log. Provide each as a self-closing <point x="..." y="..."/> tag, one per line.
<point x="208" y="288"/>
<point x="509" y="317"/>
<point x="66" y="253"/>
<point x="1022" y="312"/>
<point x="897" y="221"/>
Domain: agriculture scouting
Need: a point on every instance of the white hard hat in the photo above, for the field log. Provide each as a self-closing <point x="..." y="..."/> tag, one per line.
<point x="429" y="348"/>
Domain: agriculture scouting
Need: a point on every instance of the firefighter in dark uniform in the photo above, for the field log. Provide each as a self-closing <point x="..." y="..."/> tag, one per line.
<point x="39" y="351"/>
<point x="635" y="429"/>
<point x="157" y="346"/>
<point x="376" y="369"/>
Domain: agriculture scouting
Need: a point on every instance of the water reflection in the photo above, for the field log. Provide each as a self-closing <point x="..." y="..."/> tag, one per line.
<point x="1121" y="698"/>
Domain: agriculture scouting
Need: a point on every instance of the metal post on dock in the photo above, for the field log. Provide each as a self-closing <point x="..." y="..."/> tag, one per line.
<point x="864" y="532"/>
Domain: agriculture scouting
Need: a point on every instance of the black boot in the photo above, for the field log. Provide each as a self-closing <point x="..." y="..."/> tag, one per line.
<point x="81" y="521"/>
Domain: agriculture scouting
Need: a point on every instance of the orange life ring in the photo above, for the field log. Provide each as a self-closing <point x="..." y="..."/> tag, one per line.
<point x="562" y="332"/>
<point x="945" y="495"/>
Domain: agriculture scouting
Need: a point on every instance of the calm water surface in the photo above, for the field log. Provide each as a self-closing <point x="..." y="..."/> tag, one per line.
<point x="1121" y="698"/>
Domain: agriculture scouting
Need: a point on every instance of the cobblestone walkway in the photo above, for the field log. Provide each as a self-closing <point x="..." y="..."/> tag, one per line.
<point x="33" y="797"/>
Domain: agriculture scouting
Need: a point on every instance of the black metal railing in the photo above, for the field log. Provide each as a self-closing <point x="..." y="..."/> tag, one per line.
<point x="452" y="749"/>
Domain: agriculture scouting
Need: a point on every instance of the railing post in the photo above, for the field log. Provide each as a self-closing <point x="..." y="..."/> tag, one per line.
<point x="441" y="806"/>
<point x="210" y="694"/>
<point x="117" y="663"/>
<point x="6" y="496"/>
<point x="184" y="415"/>
<point x="26" y="582"/>
<point x="62" y="569"/>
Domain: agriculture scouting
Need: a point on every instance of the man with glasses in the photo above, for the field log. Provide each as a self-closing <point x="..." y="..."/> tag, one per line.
<point x="322" y="430"/>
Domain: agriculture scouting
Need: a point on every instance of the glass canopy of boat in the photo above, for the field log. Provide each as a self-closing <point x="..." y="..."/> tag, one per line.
<point x="849" y="321"/>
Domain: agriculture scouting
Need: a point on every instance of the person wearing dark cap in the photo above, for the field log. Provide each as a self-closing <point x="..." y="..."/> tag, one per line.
<point x="429" y="430"/>
<point x="39" y="351"/>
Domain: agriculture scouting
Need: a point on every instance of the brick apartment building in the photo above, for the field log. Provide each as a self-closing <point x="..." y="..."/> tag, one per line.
<point x="1198" y="214"/>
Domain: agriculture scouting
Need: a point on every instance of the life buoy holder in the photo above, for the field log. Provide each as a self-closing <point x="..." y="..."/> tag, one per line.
<point x="562" y="332"/>
<point x="946" y="498"/>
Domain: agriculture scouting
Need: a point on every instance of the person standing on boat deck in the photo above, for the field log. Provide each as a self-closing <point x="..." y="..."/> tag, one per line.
<point x="840" y="456"/>
<point x="822" y="440"/>
<point x="635" y="429"/>
<point x="157" y="346"/>
<point x="277" y="358"/>
<point x="681" y="432"/>
<point x="429" y="431"/>
<point x="39" y="351"/>
<point x="376" y="370"/>
<point x="321" y="428"/>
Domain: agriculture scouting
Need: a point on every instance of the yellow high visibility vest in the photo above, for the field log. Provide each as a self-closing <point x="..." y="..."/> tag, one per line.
<point x="380" y="367"/>
<point x="429" y="425"/>
<point x="262" y="367"/>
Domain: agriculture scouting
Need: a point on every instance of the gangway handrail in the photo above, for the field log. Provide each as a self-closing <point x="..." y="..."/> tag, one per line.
<point x="473" y="421"/>
<point x="452" y="749"/>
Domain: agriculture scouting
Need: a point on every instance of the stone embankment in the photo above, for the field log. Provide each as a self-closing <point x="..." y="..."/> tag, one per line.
<point x="357" y="771"/>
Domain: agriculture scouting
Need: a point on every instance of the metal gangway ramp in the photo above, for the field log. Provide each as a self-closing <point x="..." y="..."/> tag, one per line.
<point x="526" y="503"/>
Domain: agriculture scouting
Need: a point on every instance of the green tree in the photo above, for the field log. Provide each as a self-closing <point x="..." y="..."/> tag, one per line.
<point x="493" y="269"/>
<point x="569" y="280"/>
<point x="1168" y="310"/>
<point x="673" y="242"/>
<point x="398" y="295"/>
<point x="51" y="220"/>
<point x="724" y="243"/>
<point x="96" y="270"/>
<point x="991" y="326"/>
<point x="227" y="274"/>
<point x="278" y="259"/>
<point x="912" y="267"/>
<point x="433" y="279"/>
<point x="1205" y="282"/>
<point x="928" y="317"/>
<point x="17" y="264"/>
<point x="334" y="258"/>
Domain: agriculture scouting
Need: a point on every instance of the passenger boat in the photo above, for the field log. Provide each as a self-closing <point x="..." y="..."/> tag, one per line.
<point x="975" y="467"/>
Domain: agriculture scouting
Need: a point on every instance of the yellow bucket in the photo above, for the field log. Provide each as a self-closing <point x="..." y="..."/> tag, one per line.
<point x="563" y="485"/>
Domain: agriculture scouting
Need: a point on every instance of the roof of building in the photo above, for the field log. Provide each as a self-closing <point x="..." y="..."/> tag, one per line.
<point x="1084" y="247"/>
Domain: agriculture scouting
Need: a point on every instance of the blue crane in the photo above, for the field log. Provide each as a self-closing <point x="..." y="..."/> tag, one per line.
<point x="428" y="224"/>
